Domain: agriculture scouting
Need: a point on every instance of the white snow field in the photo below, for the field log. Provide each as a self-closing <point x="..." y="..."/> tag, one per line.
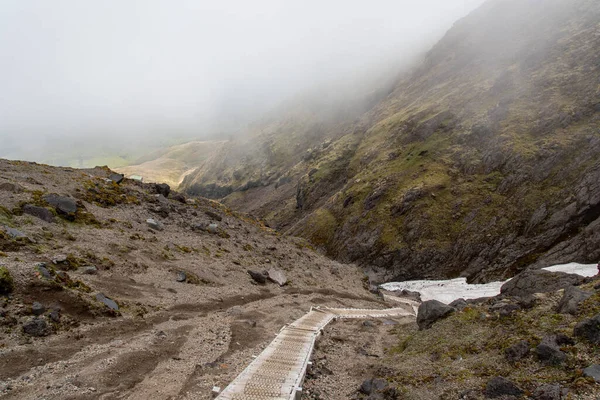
<point x="447" y="291"/>
<point x="574" y="268"/>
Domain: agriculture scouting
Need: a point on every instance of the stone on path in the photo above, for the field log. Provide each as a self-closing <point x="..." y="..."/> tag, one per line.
<point x="154" y="224"/>
<point x="107" y="302"/>
<point x="39" y="212"/>
<point x="277" y="276"/>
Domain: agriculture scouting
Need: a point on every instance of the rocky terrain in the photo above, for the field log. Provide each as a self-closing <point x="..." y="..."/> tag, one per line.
<point x="479" y="162"/>
<point x="112" y="288"/>
<point x="534" y="341"/>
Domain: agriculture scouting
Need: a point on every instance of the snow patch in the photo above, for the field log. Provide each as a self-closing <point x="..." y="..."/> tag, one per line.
<point x="586" y="270"/>
<point x="447" y="291"/>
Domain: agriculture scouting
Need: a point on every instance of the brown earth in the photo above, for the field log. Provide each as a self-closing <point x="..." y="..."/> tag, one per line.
<point x="169" y="339"/>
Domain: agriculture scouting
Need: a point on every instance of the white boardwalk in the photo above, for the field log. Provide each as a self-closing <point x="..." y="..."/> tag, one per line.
<point x="278" y="372"/>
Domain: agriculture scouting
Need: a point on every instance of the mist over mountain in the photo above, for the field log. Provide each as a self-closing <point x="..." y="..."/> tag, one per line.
<point x="85" y="82"/>
<point x="480" y="161"/>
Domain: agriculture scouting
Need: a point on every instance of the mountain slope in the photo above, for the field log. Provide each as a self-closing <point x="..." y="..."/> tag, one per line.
<point x="98" y="302"/>
<point x="482" y="161"/>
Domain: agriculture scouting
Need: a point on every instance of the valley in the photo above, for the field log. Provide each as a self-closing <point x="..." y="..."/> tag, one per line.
<point x="428" y="229"/>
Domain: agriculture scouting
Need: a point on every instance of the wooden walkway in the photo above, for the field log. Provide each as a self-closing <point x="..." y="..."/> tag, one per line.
<point x="278" y="372"/>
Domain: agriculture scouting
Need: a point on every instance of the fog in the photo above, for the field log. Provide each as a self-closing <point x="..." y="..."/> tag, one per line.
<point x="79" y="77"/>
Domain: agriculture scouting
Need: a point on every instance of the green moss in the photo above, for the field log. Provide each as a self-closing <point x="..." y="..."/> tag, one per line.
<point x="183" y="249"/>
<point x="107" y="194"/>
<point x="6" y="281"/>
<point x="320" y="227"/>
<point x="5" y="216"/>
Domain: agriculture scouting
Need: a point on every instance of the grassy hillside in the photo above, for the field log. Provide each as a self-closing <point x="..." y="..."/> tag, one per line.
<point x="480" y="162"/>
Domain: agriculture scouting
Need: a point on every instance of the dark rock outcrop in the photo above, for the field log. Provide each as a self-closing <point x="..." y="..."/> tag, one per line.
<point x="499" y="386"/>
<point x="573" y="296"/>
<point x="66" y="207"/>
<point x="547" y="391"/>
<point x="37" y="308"/>
<point x="6" y="281"/>
<point x="539" y="281"/>
<point x="258" y="277"/>
<point x="36" y="327"/>
<point x="549" y="353"/>
<point x="589" y="329"/>
<point x="162" y="188"/>
<point x="116" y="178"/>
<point x="374" y="385"/>
<point x="431" y="311"/>
<point x="517" y="351"/>
<point x="39" y="212"/>
<point x="593" y="371"/>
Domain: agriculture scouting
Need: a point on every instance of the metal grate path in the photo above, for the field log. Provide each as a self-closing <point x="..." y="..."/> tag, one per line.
<point x="278" y="372"/>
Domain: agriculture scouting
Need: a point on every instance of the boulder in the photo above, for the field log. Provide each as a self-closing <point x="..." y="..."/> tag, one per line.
<point x="499" y="386"/>
<point x="39" y="212"/>
<point x="459" y="304"/>
<point x="213" y="228"/>
<point x="107" y="302"/>
<point x="54" y="316"/>
<point x="66" y="207"/>
<point x="589" y="329"/>
<point x="431" y="311"/>
<point x="258" y="277"/>
<point x="373" y="385"/>
<point x="43" y="271"/>
<point x="201" y="226"/>
<point x="563" y="340"/>
<point x="181" y="276"/>
<point x="37" y="308"/>
<point x="539" y="281"/>
<point x="548" y="353"/>
<point x="573" y="296"/>
<point x="547" y="391"/>
<point x="517" y="351"/>
<point x="154" y="224"/>
<point x="162" y="188"/>
<point x="36" y="327"/>
<point x="277" y="276"/>
<point x="593" y="371"/>
<point x="88" y="270"/>
<point x="116" y="178"/>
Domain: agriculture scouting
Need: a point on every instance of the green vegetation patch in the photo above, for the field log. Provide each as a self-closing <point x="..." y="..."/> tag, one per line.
<point x="6" y="281"/>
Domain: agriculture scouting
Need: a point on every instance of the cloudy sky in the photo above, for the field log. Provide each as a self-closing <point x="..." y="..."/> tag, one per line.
<point x="132" y="68"/>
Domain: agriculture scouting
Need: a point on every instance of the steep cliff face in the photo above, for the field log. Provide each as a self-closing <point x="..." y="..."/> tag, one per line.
<point x="482" y="161"/>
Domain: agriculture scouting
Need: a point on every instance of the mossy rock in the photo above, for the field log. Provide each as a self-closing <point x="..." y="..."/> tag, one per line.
<point x="6" y="281"/>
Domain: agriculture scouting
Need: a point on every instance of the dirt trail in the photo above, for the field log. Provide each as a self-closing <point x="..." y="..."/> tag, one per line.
<point x="181" y="357"/>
